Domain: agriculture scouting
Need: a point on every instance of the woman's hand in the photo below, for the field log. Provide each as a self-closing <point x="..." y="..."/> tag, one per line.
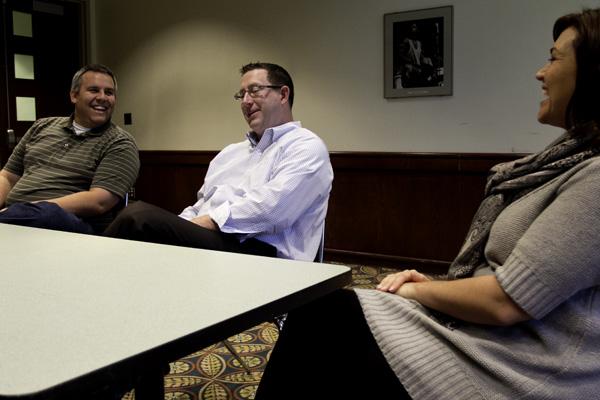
<point x="400" y="282"/>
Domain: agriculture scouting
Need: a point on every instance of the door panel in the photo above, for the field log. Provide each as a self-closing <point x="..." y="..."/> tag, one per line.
<point x="49" y="33"/>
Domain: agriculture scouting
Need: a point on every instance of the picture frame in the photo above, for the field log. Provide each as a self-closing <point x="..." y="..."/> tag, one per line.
<point x="418" y="53"/>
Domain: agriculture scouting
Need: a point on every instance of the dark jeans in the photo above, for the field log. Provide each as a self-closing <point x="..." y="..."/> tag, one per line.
<point x="326" y="351"/>
<point x="148" y="223"/>
<point x="46" y="215"/>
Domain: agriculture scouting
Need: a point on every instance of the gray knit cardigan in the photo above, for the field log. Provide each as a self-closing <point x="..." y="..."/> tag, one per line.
<point x="545" y="251"/>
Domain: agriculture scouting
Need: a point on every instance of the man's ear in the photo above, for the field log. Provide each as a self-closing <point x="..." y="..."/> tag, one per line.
<point x="285" y="94"/>
<point x="73" y="95"/>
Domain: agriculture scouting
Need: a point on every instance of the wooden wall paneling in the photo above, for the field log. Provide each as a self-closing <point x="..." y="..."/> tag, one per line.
<point x="171" y="179"/>
<point x="397" y="209"/>
<point x="404" y="209"/>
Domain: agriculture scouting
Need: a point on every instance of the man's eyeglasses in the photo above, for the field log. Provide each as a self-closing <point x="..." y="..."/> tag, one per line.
<point x="253" y="91"/>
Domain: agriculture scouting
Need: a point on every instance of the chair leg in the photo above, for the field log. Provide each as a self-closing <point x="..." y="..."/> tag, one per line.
<point x="235" y="354"/>
<point x="279" y="321"/>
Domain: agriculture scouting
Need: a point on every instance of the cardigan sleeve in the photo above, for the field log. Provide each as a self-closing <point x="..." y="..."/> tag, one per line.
<point x="558" y="254"/>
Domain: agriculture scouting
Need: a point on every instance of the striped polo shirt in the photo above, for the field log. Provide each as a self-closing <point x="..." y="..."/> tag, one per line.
<point x="53" y="161"/>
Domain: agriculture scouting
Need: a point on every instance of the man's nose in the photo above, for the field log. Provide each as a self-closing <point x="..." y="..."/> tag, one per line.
<point x="247" y="99"/>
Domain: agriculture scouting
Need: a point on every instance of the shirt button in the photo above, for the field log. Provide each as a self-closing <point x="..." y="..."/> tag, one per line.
<point x="67" y="145"/>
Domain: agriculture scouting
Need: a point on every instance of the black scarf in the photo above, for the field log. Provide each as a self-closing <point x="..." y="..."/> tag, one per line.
<point x="511" y="180"/>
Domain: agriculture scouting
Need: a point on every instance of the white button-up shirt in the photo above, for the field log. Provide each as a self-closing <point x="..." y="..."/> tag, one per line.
<point x="275" y="190"/>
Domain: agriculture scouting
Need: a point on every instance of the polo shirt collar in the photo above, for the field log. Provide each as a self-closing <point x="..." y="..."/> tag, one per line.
<point x="97" y="131"/>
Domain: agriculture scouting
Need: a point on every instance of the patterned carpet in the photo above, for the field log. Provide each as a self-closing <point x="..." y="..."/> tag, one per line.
<point x="214" y="374"/>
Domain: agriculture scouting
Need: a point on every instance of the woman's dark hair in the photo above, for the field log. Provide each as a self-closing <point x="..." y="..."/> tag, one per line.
<point x="276" y="74"/>
<point x="584" y="105"/>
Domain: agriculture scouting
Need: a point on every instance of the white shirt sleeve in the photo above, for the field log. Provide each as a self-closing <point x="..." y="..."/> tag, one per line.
<point x="301" y="177"/>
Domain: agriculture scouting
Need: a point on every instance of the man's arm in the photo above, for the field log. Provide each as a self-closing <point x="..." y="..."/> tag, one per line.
<point x="95" y="201"/>
<point x="117" y="172"/>
<point x="480" y="300"/>
<point x="303" y="175"/>
<point x="7" y="181"/>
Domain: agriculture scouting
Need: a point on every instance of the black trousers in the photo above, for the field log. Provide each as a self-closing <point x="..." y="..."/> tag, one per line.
<point x="326" y="351"/>
<point x="148" y="223"/>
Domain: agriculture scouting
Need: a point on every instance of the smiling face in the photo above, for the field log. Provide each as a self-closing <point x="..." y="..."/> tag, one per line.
<point x="558" y="79"/>
<point x="269" y="107"/>
<point x="95" y="99"/>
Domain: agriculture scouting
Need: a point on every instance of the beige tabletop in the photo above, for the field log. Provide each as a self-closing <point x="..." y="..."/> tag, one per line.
<point x="72" y="305"/>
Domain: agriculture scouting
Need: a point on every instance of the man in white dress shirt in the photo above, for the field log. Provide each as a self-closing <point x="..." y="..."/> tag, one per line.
<point x="266" y="195"/>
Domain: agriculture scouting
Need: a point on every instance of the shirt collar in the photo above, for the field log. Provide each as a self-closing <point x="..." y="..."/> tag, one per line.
<point x="97" y="131"/>
<point x="271" y="135"/>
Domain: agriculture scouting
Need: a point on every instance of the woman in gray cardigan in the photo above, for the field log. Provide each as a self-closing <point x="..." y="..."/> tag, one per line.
<point x="519" y="315"/>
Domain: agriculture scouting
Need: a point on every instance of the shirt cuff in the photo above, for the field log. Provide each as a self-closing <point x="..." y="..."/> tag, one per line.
<point x="188" y="213"/>
<point x="220" y="215"/>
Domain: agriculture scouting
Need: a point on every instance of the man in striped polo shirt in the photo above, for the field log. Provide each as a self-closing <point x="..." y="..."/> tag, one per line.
<point x="68" y="173"/>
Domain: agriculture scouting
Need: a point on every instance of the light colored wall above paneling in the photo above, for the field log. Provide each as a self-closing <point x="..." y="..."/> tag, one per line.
<point x="178" y="61"/>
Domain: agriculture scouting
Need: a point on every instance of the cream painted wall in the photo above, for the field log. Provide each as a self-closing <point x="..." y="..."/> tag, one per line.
<point x="178" y="63"/>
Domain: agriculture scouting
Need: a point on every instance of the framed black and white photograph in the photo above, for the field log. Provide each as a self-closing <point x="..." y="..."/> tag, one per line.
<point x="418" y="53"/>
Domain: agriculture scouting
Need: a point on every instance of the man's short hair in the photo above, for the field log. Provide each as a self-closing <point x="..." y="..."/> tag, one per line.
<point x="76" y="81"/>
<point x="276" y="74"/>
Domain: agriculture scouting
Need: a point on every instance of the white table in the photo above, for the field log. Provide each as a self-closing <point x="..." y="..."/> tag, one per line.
<point x="81" y="312"/>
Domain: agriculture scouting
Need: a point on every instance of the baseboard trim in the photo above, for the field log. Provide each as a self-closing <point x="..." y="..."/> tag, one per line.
<point x="374" y="259"/>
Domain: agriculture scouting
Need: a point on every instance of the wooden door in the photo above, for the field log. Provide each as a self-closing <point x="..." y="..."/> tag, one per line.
<point x="43" y="44"/>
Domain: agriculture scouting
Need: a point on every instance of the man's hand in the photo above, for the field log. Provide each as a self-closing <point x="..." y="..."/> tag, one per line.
<point x="206" y="222"/>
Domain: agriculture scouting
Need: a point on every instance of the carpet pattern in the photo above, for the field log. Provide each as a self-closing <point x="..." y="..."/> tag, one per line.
<point x="214" y="374"/>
